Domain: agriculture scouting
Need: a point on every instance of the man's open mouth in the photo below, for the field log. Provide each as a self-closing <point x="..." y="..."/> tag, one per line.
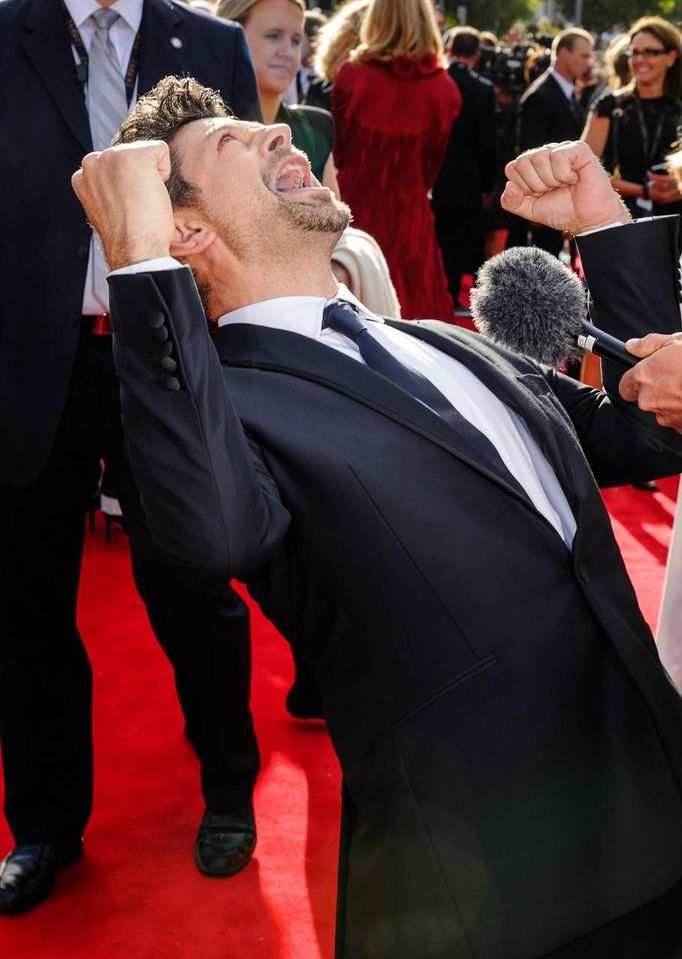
<point x="291" y="175"/>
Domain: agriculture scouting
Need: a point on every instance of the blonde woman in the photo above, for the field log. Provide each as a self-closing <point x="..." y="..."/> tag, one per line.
<point x="274" y="34"/>
<point x="394" y="105"/>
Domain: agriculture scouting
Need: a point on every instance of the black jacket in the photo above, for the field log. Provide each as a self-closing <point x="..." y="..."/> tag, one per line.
<point x="469" y="166"/>
<point x="547" y="115"/>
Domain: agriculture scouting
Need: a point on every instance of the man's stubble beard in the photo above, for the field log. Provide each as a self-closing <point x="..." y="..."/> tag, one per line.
<point x="331" y="217"/>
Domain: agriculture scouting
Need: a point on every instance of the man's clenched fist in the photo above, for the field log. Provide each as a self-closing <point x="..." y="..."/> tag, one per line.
<point x="124" y="195"/>
<point x="562" y="186"/>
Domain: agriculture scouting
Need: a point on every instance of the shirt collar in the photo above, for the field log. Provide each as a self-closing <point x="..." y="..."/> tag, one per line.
<point x="297" y="314"/>
<point x="128" y="10"/>
<point x="566" y="85"/>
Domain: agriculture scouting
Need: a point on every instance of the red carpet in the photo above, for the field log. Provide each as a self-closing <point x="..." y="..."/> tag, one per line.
<point x="137" y="894"/>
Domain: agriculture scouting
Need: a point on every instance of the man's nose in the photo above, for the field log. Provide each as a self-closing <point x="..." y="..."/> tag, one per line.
<point x="276" y="137"/>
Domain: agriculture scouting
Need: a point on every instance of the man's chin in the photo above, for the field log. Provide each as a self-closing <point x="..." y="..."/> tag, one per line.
<point x="319" y="213"/>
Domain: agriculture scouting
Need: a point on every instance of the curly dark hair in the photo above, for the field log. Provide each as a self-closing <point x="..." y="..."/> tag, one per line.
<point x="159" y="114"/>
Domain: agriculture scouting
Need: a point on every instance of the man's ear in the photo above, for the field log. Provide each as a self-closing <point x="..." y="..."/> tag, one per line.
<point x="192" y="236"/>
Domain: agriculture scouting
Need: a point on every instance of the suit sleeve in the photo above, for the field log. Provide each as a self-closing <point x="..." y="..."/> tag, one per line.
<point x="621" y="443"/>
<point x="210" y="502"/>
<point x="633" y="278"/>
<point x="632" y="274"/>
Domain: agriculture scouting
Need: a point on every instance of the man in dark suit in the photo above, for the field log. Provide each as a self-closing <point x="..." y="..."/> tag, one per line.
<point x="411" y="504"/>
<point x="469" y="167"/>
<point x="552" y="113"/>
<point x="60" y="416"/>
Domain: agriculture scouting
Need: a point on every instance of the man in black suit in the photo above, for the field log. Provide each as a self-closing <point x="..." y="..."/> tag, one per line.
<point x="469" y="167"/>
<point x="411" y="504"/>
<point x="551" y="113"/>
<point x="60" y="416"/>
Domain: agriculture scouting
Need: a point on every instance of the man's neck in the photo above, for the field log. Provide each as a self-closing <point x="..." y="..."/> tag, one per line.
<point x="269" y="105"/>
<point x="562" y="71"/>
<point x="257" y="284"/>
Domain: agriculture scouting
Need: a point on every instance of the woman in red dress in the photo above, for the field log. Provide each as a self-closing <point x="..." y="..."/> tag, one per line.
<point x="394" y="105"/>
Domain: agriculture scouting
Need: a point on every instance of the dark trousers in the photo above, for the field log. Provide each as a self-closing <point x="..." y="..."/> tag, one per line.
<point x="461" y="239"/>
<point x="45" y="676"/>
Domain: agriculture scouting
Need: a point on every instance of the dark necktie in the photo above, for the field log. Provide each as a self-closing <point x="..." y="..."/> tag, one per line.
<point x="577" y="110"/>
<point x="342" y="318"/>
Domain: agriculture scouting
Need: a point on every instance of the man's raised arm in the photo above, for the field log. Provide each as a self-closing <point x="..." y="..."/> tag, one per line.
<point x="209" y="501"/>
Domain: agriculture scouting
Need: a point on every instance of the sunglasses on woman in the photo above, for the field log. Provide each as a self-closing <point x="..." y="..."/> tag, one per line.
<point x="647" y="52"/>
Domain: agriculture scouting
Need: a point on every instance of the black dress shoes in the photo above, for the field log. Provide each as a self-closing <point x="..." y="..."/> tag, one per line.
<point x="225" y="843"/>
<point x="27" y="875"/>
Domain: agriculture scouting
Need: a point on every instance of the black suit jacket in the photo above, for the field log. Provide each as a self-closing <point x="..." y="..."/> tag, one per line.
<point x="511" y="747"/>
<point x="469" y="167"/>
<point x="547" y="115"/>
<point x="44" y="237"/>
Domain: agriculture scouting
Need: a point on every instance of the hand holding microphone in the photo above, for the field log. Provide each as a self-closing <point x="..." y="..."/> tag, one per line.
<point x="655" y="383"/>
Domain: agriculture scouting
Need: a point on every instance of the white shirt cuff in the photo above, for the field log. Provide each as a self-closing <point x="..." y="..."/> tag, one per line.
<point x="155" y="265"/>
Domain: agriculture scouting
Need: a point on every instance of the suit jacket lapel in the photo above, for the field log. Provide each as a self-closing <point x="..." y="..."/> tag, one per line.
<point x="47" y="45"/>
<point x="164" y="44"/>
<point x="246" y="345"/>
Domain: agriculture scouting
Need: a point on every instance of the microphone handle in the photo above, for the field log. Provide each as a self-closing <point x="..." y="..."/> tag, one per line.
<point x="603" y="344"/>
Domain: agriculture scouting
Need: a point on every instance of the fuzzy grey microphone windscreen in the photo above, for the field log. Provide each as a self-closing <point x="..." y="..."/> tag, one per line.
<point x="528" y="301"/>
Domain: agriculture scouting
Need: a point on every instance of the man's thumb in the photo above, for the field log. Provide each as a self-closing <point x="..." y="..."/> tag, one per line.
<point x="514" y="200"/>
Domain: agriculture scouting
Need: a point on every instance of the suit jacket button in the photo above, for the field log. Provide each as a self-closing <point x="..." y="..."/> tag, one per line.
<point x="156" y="319"/>
<point x="172" y="383"/>
<point x="165" y="349"/>
<point x="168" y="364"/>
<point x="160" y="334"/>
<point x="73" y="319"/>
<point x="83" y="252"/>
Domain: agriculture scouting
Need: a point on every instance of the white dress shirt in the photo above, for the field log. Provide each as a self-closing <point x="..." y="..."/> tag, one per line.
<point x="122" y="34"/>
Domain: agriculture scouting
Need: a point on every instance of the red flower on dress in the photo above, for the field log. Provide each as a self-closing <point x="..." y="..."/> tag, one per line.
<point x="428" y="63"/>
<point x="403" y="67"/>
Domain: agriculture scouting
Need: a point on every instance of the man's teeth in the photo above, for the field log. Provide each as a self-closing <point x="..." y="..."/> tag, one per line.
<point x="291" y="177"/>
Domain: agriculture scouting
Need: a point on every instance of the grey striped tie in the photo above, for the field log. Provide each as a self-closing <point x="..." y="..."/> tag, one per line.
<point x="107" y="107"/>
<point x="107" y="100"/>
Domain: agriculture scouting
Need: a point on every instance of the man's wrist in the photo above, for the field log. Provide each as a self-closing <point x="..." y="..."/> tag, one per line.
<point x="136" y="251"/>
